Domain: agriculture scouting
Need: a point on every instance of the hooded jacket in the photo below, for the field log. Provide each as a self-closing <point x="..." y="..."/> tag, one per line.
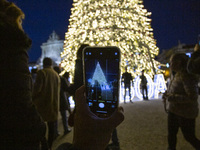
<point x="20" y="122"/>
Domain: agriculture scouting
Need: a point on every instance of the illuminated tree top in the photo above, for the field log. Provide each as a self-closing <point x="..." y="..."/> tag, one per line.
<point x="122" y="23"/>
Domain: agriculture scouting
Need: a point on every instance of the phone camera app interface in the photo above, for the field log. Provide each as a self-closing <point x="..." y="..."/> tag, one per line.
<point x="101" y="75"/>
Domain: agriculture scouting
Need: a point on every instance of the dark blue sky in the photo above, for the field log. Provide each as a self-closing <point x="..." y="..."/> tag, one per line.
<point x="172" y="20"/>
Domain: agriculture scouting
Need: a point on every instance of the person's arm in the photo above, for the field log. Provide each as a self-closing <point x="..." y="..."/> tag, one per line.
<point x="90" y="131"/>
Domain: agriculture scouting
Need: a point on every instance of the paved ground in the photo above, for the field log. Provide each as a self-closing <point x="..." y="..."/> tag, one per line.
<point x="144" y="128"/>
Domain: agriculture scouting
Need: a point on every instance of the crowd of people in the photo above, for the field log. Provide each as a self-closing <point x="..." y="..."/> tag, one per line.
<point x="29" y="108"/>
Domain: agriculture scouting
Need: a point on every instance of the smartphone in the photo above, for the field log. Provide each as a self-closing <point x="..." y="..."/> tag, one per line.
<point x="101" y="67"/>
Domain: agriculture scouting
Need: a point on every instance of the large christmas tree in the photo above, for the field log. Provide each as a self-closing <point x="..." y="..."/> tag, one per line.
<point x="122" y="23"/>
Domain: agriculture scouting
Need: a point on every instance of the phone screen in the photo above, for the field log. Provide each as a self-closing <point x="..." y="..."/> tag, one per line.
<point x="101" y="77"/>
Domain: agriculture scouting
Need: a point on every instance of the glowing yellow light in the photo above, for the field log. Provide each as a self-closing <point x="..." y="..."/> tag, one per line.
<point x="125" y="24"/>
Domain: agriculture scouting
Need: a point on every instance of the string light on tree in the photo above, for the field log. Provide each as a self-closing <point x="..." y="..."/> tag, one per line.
<point x="122" y="23"/>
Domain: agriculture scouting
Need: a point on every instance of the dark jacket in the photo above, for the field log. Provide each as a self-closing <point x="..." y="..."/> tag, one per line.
<point x="143" y="80"/>
<point x="127" y="78"/>
<point x="20" y="122"/>
<point x="64" y="101"/>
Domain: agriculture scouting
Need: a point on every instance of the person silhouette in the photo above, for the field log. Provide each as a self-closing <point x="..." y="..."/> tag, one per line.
<point x="127" y="79"/>
<point x="78" y="79"/>
<point x="182" y="96"/>
<point x="96" y="94"/>
<point x="64" y="101"/>
<point x="78" y="71"/>
<point x="144" y="86"/>
<point x="66" y="77"/>
<point x="21" y="125"/>
<point x="46" y="97"/>
<point x="115" y="89"/>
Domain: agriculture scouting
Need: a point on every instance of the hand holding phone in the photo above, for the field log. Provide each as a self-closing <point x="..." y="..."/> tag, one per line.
<point x="101" y="78"/>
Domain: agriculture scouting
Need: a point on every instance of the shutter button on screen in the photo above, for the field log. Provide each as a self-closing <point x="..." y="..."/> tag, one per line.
<point x="101" y="105"/>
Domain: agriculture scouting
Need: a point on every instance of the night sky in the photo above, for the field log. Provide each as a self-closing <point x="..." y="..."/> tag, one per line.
<point x="172" y="20"/>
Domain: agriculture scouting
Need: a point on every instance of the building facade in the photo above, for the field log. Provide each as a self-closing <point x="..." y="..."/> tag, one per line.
<point x="52" y="49"/>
